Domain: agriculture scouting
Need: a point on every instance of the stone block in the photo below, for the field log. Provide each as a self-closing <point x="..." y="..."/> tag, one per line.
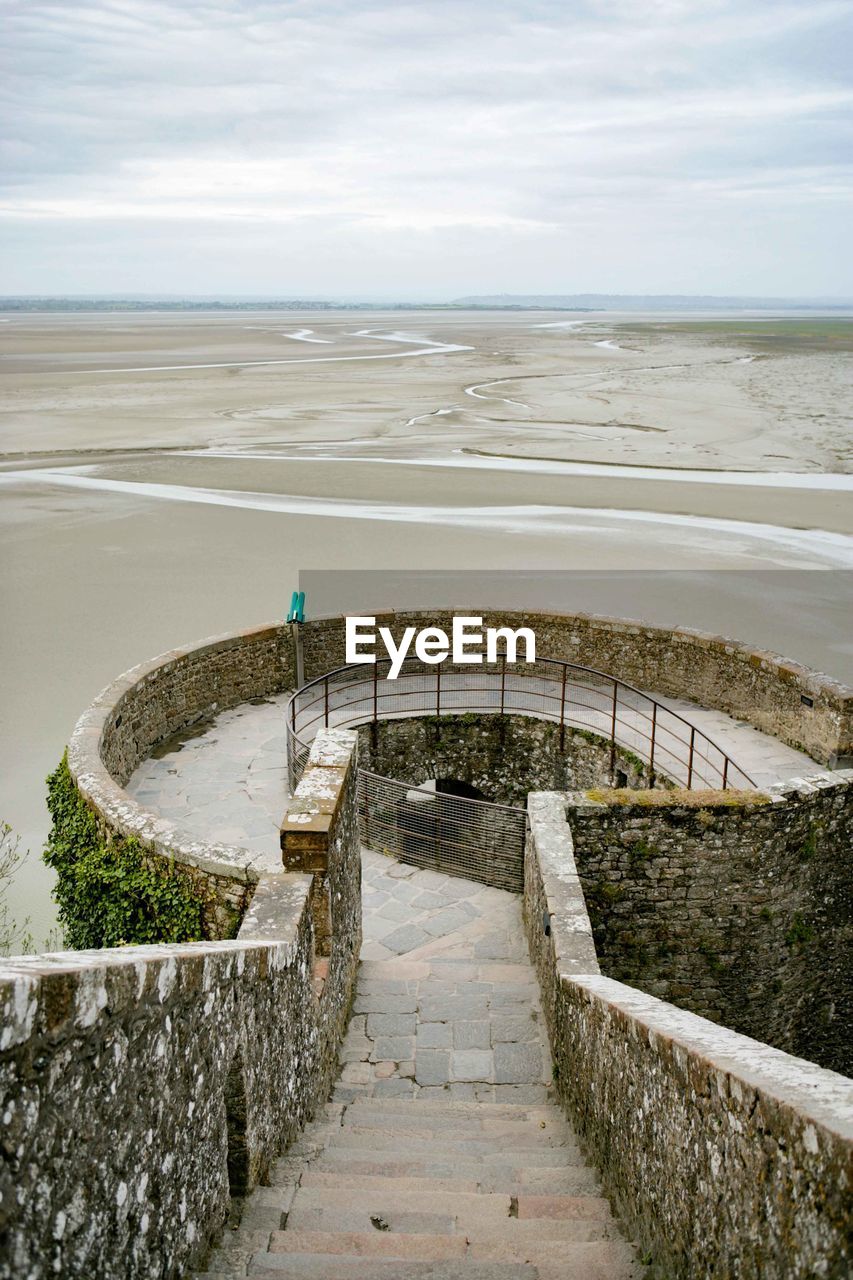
<point x="432" y="1067"/>
<point x="518" y="1064"/>
<point x="471" y="1064"/>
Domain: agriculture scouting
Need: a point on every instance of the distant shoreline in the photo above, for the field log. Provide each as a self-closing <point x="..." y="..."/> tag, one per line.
<point x="585" y="304"/>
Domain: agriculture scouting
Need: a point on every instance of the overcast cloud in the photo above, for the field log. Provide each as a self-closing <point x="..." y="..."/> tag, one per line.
<point x="429" y="149"/>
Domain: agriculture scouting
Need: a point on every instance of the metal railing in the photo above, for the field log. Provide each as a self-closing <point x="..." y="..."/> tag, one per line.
<point x="428" y="827"/>
<point x="571" y="696"/>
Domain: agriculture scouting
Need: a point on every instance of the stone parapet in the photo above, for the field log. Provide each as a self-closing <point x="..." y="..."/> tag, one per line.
<point x="804" y="708"/>
<point x="147" y="705"/>
<point x="145" y="1087"/>
<point x="722" y="1155"/>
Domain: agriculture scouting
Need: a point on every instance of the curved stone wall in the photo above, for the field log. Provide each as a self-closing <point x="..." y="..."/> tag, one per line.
<point x="151" y="703"/>
<point x="169" y="694"/>
<point x="803" y="708"/>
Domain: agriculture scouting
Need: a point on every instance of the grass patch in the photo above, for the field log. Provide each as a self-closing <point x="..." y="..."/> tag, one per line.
<point x="656" y="798"/>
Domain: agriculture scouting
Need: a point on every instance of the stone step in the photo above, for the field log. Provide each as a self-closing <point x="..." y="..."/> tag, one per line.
<point x="426" y="1187"/>
<point x="336" y="1220"/>
<point x="578" y="1181"/>
<point x="329" y="1266"/>
<point x="362" y="1221"/>
<point x="375" y="1244"/>
<point x="380" y="1140"/>
<point x="362" y="1117"/>
<point x="442" y="1153"/>
<point x="527" y="1135"/>
<point x="470" y="1206"/>
<point x="569" y="1260"/>
<point x="388" y="1164"/>
<point x="503" y="1110"/>
<point x="593" y="1223"/>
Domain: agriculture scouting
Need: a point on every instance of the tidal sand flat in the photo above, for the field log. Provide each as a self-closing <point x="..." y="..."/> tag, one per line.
<point x="167" y="476"/>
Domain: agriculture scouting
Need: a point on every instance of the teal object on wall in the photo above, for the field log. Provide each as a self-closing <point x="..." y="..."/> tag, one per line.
<point x="297" y="607"/>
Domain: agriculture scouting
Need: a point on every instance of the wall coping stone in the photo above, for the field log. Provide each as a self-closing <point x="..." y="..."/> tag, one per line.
<point x="819" y="1096"/>
<point x="788" y="668"/>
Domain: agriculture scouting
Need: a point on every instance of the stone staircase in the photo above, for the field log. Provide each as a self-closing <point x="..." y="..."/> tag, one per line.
<point x="396" y="1189"/>
<point x="442" y="1153"/>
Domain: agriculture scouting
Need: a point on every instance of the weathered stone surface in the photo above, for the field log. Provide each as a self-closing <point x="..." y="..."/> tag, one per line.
<point x="504" y="757"/>
<point x="723" y="1155"/>
<point x="151" y="703"/>
<point x="741" y="913"/>
<point x="142" y="1086"/>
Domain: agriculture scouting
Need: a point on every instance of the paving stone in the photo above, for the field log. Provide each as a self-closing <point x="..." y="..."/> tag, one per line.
<point x="454" y="1009"/>
<point x="513" y="1030"/>
<point x="518" y="1063"/>
<point x="395" y="1048"/>
<point x="390" y="1024"/>
<point x="471" y="1035"/>
<point x="406" y="938"/>
<point x="522" y="1093"/>
<point x="445" y="921"/>
<point x="434" y="1035"/>
<point x="379" y="1002"/>
<point x="471" y="1064"/>
<point x="432" y="1066"/>
<point x="393" y="1088"/>
<point x="356" y="1073"/>
<point x="399" y="871"/>
<point x="394" y="910"/>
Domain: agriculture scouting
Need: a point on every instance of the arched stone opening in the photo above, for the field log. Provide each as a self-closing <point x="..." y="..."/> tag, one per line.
<point x="457" y="787"/>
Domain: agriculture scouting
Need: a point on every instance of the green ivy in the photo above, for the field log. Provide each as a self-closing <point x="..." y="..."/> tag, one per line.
<point x="108" y="894"/>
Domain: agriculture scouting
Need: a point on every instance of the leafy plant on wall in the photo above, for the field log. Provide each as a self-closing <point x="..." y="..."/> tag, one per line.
<point x="107" y="892"/>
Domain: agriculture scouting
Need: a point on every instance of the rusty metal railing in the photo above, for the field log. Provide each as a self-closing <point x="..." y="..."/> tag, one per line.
<point x="483" y="841"/>
<point x="571" y="696"/>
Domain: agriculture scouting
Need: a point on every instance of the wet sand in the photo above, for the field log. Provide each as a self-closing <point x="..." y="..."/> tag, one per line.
<point x="111" y="557"/>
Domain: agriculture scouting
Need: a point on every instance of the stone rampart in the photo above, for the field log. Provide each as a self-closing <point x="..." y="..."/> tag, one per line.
<point x="182" y="688"/>
<point x="673" y="1108"/>
<point x="737" y="910"/>
<point x="804" y="708"/>
<point x="144" y="1087"/>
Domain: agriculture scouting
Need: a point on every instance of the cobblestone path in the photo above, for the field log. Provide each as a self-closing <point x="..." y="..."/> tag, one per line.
<point x="442" y="1153"/>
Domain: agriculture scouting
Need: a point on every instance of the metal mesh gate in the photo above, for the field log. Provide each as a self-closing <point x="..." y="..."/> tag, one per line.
<point x="455" y="834"/>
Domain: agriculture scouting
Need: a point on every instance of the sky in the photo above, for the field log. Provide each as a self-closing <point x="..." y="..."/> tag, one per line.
<point x="426" y="150"/>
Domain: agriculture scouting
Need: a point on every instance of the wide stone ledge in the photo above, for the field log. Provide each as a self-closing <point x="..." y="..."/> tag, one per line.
<point x="813" y="1095"/>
